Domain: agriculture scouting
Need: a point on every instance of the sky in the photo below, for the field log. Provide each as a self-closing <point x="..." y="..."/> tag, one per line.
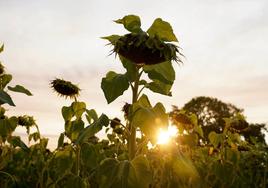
<point x="224" y="41"/>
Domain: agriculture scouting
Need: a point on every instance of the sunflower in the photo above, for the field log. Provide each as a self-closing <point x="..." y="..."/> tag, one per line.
<point x="149" y="47"/>
<point x="143" y="49"/>
<point x="65" y="88"/>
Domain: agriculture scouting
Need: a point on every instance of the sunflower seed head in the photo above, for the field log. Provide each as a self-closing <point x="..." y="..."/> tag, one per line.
<point x="65" y="88"/>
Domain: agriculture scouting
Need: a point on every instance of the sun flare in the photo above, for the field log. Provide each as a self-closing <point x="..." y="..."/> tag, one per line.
<point x="164" y="136"/>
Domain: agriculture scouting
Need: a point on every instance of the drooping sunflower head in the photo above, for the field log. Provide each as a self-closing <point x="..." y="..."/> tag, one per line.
<point x="142" y="49"/>
<point x="65" y="88"/>
<point x="154" y="46"/>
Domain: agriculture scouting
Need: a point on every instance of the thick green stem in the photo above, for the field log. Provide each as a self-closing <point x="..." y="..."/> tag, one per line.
<point x="132" y="129"/>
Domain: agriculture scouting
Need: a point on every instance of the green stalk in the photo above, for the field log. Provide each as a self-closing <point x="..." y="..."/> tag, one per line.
<point x="132" y="137"/>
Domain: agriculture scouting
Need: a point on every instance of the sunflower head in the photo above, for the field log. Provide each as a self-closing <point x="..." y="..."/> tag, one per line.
<point x="65" y="88"/>
<point x="142" y="49"/>
<point x="149" y="47"/>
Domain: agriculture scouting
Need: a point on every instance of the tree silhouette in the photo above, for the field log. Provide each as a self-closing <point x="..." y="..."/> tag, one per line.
<point x="211" y="113"/>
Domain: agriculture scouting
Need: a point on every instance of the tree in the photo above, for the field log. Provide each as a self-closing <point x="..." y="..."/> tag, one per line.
<point x="211" y="114"/>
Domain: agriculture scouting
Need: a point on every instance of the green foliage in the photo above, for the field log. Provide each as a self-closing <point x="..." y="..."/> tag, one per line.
<point x="215" y="139"/>
<point x="162" y="76"/>
<point x="121" y="174"/>
<point x="61" y="163"/>
<point x="131" y="22"/>
<point x="149" y="119"/>
<point x="5" y="98"/>
<point x="163" y="30"/>
<point x="114" y="85"/>
<point x="20" y="89"/>
<point x="92" y="129"/>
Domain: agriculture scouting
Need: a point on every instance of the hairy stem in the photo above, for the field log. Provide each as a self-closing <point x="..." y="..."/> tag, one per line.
<point x="132" y="129"/>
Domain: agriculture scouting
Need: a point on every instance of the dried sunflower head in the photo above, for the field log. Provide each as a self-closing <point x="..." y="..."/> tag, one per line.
<point x="65" y="88"/>
<point x="142" y="49"/>
<point x="149" y="47"/>
<point x="26" y="121"/>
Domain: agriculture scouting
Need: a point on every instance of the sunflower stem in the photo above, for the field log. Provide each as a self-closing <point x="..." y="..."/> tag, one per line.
<point x="132" y="137"/>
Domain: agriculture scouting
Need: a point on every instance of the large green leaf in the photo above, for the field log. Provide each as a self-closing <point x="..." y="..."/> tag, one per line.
<point x="73" y="128"/>
<point x="67" y="113"/>
<point x="160" y="113"/>
<point x="144" y="101"/>
<point x="78" y="108"/>
<point x="92" y="129"/>
<point x="160" y="87"/>
<point x="184" y="171"/>
<point x="140" y="174"/>
<point x="89" y="156"/>
<point x="91" y="116"/>
<point x="20" y="89"/>
<point x="215" y="139"/>
<point x="61" y="163"/>
<point x="198" y="130"/>
<point x="125" y="174"/>
<point x="7" y="126"/>
<point x="149" y="119"/>
<point x="107" y="172"/>
<point x="114" y="85"/>
<point x="130" y="67"/>
<point x="17" y="142"/>
<point x="72" y="181"/>
<point x="131" y="22"/>
<point x="163" y="72"/>
<point x="5" y="98"/>
<point x="163" y="30"/>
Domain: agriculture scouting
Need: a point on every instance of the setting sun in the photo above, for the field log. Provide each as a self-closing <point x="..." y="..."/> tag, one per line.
<point x="164" y="136"/>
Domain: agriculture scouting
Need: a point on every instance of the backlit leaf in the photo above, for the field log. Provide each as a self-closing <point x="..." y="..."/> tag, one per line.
<point x="215" y="139"/>
<point x="78" y="108"/>
<point x="131" y="22"/>
<point x="89" y="156"/>
<point x="92" y="129"/>
<point x="163" y="30"/>
<point x="61" y="163"/>
<point x="140" y="174"/>
<point x="130" y="67"/>
<point x="91" y="116"/>
<point x="20" y="89"/>
<point x="67" y="113"/>
<point x="17" y="142"/>
<point x="163" y="72"/>
<point x="5" y="98"/>
<point x="114" y="85"/>
<point x="160" y="87"/>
